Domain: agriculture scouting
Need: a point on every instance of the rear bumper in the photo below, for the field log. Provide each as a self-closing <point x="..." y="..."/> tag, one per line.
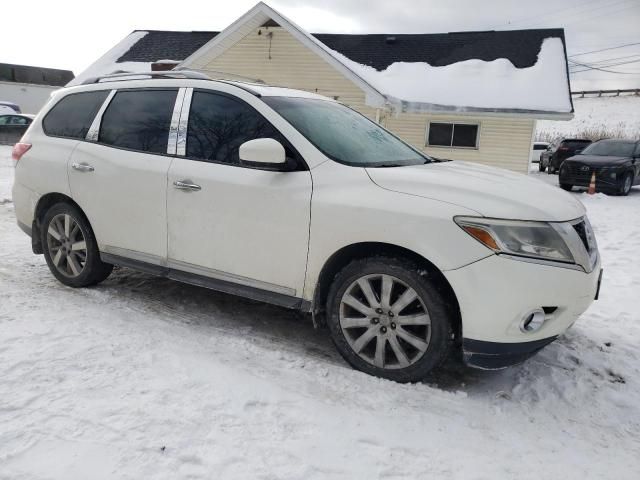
<point x="494" y="356"/>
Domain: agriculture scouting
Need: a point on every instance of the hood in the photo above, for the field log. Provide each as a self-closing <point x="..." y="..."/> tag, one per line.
<point x="598" y="160"/>
<point x="492" y="192"/>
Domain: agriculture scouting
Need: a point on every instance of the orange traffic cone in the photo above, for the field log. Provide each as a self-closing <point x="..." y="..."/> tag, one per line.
<point x="592" y="184"/>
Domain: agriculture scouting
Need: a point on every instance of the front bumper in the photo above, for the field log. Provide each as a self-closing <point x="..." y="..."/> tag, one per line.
<point x="496" y="293"/>
<point x="494" y="356"/>
<point x="607" y="180"/>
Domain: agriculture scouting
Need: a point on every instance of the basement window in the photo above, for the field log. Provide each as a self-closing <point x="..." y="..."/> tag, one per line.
<point x="452" y="135"/>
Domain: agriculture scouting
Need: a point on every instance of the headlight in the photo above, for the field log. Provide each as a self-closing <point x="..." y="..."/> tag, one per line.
<point x="539" y="240"/>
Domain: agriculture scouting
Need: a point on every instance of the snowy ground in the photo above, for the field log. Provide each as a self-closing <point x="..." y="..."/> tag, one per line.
<point x="143" y="378"/>
<point x="597" y="117"/>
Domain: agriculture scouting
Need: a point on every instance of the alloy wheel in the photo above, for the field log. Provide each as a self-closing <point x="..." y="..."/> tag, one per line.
<point x="67" y="245"/>
<point x="384" y="321"/>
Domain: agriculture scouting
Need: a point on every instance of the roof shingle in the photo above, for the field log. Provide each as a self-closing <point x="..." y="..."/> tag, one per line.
<point x="165" y="45"/>
<point x="521" y="47"/>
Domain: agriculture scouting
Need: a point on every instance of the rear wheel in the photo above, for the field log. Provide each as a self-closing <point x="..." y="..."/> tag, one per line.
<point x="70" y="248"/>
<point x="387" y="320"/>
<point x="541" y="166"/>
<point x="566" y="186"/>
<point x="625" y="184"/>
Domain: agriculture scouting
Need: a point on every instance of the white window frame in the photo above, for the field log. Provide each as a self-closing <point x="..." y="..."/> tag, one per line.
<point x="454" y="123"/>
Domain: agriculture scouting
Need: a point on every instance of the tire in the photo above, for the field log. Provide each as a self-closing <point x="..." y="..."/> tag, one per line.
<point x="566" y="186"/>
<point x="625" y="185"/>
<point x="65" y="231"/>
<point x="374" y="336"/>
<point x="541" y="167"/>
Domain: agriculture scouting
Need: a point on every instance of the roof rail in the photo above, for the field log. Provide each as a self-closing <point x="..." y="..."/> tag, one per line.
<point x="120" y="76"/>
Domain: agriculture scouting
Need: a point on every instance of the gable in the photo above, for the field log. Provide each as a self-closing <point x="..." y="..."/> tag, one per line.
<point x="273" y="56"/>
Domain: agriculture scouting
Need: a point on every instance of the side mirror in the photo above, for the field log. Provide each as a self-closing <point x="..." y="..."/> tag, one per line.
<point x="264" y="153"/>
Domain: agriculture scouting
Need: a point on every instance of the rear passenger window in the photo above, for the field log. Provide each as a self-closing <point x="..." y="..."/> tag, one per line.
<point x="138" y="120"/>
<point x="72" y="116"/>
<point x="218" y="125"/>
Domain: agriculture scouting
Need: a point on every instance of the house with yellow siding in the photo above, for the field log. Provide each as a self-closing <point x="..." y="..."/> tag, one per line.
<point x="473" y="96"/>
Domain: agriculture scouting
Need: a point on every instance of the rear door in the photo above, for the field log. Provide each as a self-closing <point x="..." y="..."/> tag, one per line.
<point x="237" y="225"/>
<point x="119" y="177"/>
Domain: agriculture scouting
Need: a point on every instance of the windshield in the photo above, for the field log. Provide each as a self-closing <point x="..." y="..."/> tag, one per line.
<point x="575" y="144"/>
<point x="343" y="134"/>
<point x="610" y="148"/>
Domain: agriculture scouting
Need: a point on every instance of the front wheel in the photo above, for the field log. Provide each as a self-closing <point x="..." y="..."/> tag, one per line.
<point x="388" y="320"/>
<point x="626" y="184"/>
<point x="70" y="248"/>
<point x="566" y="186"/>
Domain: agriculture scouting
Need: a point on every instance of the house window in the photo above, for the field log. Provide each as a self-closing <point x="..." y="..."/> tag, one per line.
<point x="457" y="135"/>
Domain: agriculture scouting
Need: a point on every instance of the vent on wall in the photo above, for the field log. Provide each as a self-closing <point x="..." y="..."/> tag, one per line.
<point x="270" y="23"/>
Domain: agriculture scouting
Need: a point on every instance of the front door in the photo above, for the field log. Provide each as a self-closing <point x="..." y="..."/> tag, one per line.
<point x="120" y="181"/>
<point x="230" y="223"/>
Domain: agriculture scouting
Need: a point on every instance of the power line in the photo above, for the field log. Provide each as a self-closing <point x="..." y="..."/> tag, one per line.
<point x="607" y="60"/>
<point x="591" y="66"/>
<point x="588" y="67"/>
<point x="603" y="49"/>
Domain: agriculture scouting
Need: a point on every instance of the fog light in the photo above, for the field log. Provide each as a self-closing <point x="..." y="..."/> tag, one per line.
<point x="532" y="321"/>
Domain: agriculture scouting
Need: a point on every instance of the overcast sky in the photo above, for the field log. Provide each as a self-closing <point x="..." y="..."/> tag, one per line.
<point x="74" y="33"/>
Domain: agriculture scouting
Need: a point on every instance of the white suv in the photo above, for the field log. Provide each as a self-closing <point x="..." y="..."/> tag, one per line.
<point x="292" y="198"/>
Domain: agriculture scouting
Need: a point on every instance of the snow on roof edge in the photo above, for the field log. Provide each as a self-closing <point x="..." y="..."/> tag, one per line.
<point x="107" y="64"/>
<point x="470" y="86"/>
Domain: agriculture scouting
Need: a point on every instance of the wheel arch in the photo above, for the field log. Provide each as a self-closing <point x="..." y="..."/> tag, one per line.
<point x="361" y="250"/>
<point x="45" y="202"/>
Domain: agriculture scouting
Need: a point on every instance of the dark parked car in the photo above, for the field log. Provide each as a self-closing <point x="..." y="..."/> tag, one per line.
<point x="12" y="127"/>
<point x="553" y="157"/>
<point x="9" y="107"/>
<point x="616" y="164"/>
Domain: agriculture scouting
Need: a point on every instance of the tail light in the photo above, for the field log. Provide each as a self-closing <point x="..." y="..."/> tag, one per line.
<point x="19" y="149"/>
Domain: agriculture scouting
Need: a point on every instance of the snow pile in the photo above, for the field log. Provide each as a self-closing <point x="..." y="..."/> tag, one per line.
<point x="597" y="117"/>
<point x="143" y="377"/>
<point x="107" y="63"/>
<point x="475" y="83"/>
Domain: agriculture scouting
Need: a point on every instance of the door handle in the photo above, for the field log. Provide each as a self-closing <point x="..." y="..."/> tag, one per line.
<point x="82" y="167"/>
<point x="186" y="185"/>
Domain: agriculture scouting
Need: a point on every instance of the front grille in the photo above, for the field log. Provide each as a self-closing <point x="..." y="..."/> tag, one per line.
<point x="579" y="172"/>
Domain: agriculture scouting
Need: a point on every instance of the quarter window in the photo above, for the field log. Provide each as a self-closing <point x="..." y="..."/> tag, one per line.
<point x="461" y="135"/>
<point x="71" y="117"/>
<point x="218" y="125"/>
<point x="138" y="120"/>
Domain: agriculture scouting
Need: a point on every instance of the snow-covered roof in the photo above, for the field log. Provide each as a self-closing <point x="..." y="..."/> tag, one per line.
<point x="507" y="72"/>
<point x="475" y="85"/>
